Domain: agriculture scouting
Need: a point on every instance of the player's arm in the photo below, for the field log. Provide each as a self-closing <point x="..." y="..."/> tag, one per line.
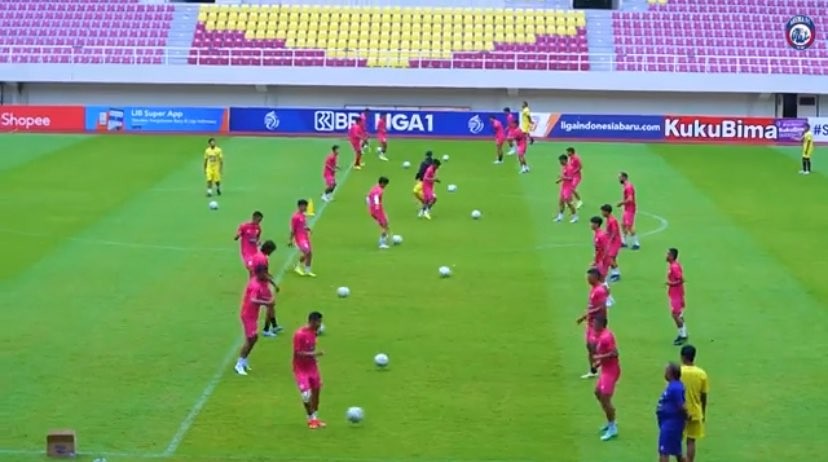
<point x="610" y="354"/>
<point x="703" y="398"/>
<point x="238" y="234"/>
<point x="291" y="237"/>
<point x="221" y="161"/>
<point x="303" y="349"/>
<point x="204" y="163"/>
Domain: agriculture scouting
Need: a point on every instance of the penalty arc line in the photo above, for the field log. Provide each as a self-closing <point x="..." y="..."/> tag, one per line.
<point x="187" y="423"/>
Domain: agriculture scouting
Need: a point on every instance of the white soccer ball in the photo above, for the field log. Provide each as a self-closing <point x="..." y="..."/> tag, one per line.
<point x="445" y="271"/>
<point x="396" y="239"/>
<point x="343" y="292"/>
<point x="381" y="359"/>
<point x="321" y="329"/>
<point x="406" y="164"/>
<point x="452" y="187"/>
<point x="355" y="414"/>
<point x="445" y="157"/>
<point x="213" y="205"/>
<point x="476" y="214"/>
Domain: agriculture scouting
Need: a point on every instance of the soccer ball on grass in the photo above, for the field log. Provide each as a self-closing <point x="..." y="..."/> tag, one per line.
<point x="476" y="214"/>
<point x="381" y="360"/>
<point x="445" y="271"/>
<point x="396" y="239"/>
<point x="452" y="188"/>
<point x="355" y="414"/>
<point x="343" y="292"/>
<point x="406" y="164"/>
<point x="213" y="205"/>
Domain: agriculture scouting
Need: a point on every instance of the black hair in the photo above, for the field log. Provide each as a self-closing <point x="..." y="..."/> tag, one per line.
<point x="673" y="252"/>
<point x="506" y="109"/>
<point x="688" y="352"/>
<point x="302" y="202"/>
<point x="624" y="175"/>
<point x="606" y="208"/>
<point x="570" y="150"/>
<point x="436" y="163"/>
<point x="383" y="180"/>
<point x="563" y="158"/>
<point x="597" y="220"/>
<point x="315" y="316"/>
<point x="594" y="273"/>
<point x="429" y="154"/>
<point x="258" y="214"/>
<point x="355" y="119"/>
<point x="211" y="140"/>
<point x="675" y="370"/>
<point x="335" y="147"/>
<point x="268" y="247"/>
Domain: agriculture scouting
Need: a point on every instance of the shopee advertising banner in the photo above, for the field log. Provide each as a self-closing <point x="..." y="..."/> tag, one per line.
<point x="819" y="127"/>
<point x="42" y="119"/>
<point x="156" y="119"/>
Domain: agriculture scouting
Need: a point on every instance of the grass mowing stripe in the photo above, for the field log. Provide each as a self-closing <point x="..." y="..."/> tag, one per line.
<point x="185" y="425"/>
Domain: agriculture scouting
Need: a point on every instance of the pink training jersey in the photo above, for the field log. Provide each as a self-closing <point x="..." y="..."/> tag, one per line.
<point x="509" y="119"/>
<point x="299" y="227"/>
<point x="675" y="276"/>
<point x="248" y="234"/>
<point x="613" y="236"/>
<point x="601" y="242"/>
<point x="499" y="133"/>
<point x="629" y="197"/>
<point x="606" y="344"/>
<point x="382" y="130"/>
<point x="330" y="166"/>
<point x="355" y="131"/>
<point x="304" y="341"/>
<point x="374" y="199"/>
<point x="575" y="160"/>
<point x="363" y="124"/>
<point x="255" y="290"/>
<point x="256" y="260"/>
<point x="598" y="296"/>
<point x="520" y="139"/>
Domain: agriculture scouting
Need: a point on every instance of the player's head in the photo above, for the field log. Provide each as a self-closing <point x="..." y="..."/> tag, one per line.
<point x="355" y="119"/>
<point x="506" y="110"/>
<point x="260" y="272"/>
<point x="672" y="372"/>
<point x="257" y="216"/>
<point x="211" y="142"/>
<point x="335" y="149"/>
<point x="599" y="323"/>
<point x="595" y="222"/>
<point x="268" y="247"/>
<point x="606" y="210"/>
<point x="514" y="124"/>
<point x="429" y="155"/>
<point x="593" y="276"/>
<point x="807" y="127"/>
<point x="570" y="151"/>
<point x="688" y="354"/>
<point x="526" y="104"/>
<point x="436" y="163"/>
<point x="383" y="181"/>
<point x="365" y="111"/>
<point x="563" y="159"/>
<point x="672" y="254"/>
<point x="623" y="177"/>
<point x="302" y="205"/>
<point x="314" y="320"/>
<point x="492" y="117"/>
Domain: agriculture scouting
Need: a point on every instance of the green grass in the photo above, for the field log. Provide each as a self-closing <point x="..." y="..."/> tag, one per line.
<point x="120" y="295"/>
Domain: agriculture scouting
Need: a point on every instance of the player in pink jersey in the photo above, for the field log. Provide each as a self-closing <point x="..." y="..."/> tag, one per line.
<point x="256" y="294"/>
<point x="376" y="210"/>
<point x="382" y="136"/>
<point x="675" y="292"/>
<point x="429" y="197"/>
<point x="300" y="236"/>
<point x="329" y="173"/>
<point x="601" y="242"/>
<point x="565" y="196"/>
<point x="261" y="259"/>
<point x="597" y="305"/>
<point x="575" y="160"/>
<point x="500" y="138"/>
<point x="306" y="369"/>
<point x="248" y="234"/>
<point x="606" y="358"/>
<point x="510" y="119"/>
<point x="614" y="236"/>
<point x="628" y="219"/>
<point x="363" y="125"/>
<point x="521" y="140"/>
<point x="356" y="137"/>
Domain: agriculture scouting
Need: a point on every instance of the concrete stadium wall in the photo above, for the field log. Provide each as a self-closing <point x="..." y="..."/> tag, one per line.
<point x="593" y="102"/>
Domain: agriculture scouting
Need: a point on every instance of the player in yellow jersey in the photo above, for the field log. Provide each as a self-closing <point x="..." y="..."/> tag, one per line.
<point x="213" y="166"/>
<point x="696" y="389"/>
<point x="807" y="150"/>
<point x="526" y="123"/>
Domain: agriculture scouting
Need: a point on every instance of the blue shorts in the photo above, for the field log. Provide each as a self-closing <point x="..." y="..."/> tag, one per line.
<point x="669" y="441"/>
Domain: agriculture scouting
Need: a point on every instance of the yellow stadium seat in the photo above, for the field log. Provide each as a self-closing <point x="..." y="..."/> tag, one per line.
<point x="571" y="31"/>
<point x="260" y="35"/>
<point x="580" y="22"/>
<point x="202" y="16"/>
<point x="560" y="30"/>
<point x="270" y="35"/>
<point x="560" y="21"/>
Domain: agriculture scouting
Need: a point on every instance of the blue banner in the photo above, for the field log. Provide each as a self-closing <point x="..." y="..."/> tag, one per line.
<point x="608" y="127"/>
<point x="337" y="121"/>
<point x="156" y="119"/>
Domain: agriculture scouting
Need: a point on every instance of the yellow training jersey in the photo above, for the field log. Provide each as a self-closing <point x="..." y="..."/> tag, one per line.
<point x="526" y="119"/>
<point x="213" y="157"/>
<point x="807" y="144"/>
<point x="695" y="384"/>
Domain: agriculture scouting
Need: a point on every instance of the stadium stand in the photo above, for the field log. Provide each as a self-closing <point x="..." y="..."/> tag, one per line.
<point x="395" y="37"/>
<point x="83" y="32"/>
<point x="737" y="36"/>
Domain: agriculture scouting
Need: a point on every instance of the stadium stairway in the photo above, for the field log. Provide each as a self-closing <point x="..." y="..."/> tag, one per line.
<point x="600" y="39"/>
<point x="634" y="5"/>
<point x="182" y="31"/>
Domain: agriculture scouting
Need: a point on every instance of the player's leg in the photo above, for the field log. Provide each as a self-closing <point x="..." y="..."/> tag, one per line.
<point x="605" y="398"/>
<point x="561" y="208"/>
<point x="804" y="165"/>
<point x="308" y="260"/>
<point x="572" y="210"/>
<point x="677" y="314"/>
<point x="615" y="271"/>
<point x="316" y="392"/>
<point x="691" y="449"/>
<point x="808" y="165"/>
<point x="250" y="340"/>
<point x="512" y="148"/>
<point x="210" y="178"/>
<point x="590" y="347"/>
<point x="498" y="152"/>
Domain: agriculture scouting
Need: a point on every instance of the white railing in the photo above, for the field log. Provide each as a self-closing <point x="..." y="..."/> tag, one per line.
<point x="33" y="54"/>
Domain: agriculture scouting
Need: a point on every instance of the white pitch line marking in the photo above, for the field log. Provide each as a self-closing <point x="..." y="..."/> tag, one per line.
<point x="188" y="421"/>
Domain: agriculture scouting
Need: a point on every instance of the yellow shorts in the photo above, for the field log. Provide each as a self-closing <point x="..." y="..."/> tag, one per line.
<point x="418" y="188"/>
<point x="694" y="429"/>
<point x="526" y="129"/>
<point x="213" y="175"/>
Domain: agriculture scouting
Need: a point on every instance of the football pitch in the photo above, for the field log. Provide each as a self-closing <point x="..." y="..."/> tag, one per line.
<point x="120" y="293"/>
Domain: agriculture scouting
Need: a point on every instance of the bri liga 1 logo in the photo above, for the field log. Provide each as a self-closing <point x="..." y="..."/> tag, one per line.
<point x="800" y="32"/>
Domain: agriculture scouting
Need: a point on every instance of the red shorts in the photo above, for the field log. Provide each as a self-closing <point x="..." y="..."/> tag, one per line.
<point x="383" y="139"/>
<point x="380" y="217"/>
<point x="250" y="324"/>
<point x="356" y="145"/>
<point x="428" y="193"/>
<point x="613" y="251"/>
<point x="500" y="141"/>
<point x="676" y="305"/>
<point x="606" y="382"/>
<point x="521" y="151"/>
<point x="303" y="245"/>
<point x="308" y="380"/>
<point x="602" y="267"/>
<point x="591" y="337"/>
<point x="576" y="180"/>
<point x="330" y="181"/>
<point x="628" y="219"/>
<point x="566" y="195"/>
